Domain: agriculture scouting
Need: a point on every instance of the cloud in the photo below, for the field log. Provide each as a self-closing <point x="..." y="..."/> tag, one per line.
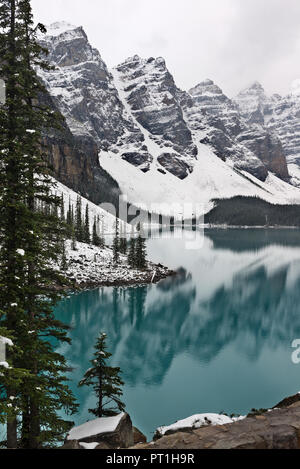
<point x="231" y="41"/>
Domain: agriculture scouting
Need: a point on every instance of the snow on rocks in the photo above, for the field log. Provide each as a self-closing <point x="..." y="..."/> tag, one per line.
<point x="113" y="432"/>
<point x="90" y="266"/>
<point x="95" y="427"/>
<point x="195" y="421"/>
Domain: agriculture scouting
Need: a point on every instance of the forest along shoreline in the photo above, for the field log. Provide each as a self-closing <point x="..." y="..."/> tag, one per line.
<point x="88" y="266"/>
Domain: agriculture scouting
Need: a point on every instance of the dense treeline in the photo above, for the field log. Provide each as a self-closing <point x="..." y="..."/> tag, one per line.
<point x="252" y="211"/>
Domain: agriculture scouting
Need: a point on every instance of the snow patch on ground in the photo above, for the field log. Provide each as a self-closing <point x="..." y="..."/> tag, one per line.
<point x="89" y="445"/>
<point x="95" y="427"/>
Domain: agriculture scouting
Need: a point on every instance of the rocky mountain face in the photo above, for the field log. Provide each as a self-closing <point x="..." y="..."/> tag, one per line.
<point x="150" y="92"/>
<point x="136" y="113"/>
<point x="245" y="145"/>
<point x="278" y="115"/>
<point x="83" y="90"/>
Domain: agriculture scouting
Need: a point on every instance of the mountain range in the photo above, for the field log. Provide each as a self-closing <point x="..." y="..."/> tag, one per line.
<point x="130" y="130"/>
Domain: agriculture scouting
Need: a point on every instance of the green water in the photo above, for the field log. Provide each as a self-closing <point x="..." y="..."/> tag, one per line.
<point x="216" y="338"/>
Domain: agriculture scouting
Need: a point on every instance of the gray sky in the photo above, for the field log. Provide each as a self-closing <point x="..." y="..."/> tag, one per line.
<point x="233" y="42"/>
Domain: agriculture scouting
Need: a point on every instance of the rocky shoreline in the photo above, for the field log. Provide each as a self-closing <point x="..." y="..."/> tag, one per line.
<point x="276" y="428"/>
<point x="90" y="267"/>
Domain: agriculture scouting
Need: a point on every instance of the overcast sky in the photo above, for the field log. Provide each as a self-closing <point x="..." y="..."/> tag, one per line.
<point x="233" y="42"/>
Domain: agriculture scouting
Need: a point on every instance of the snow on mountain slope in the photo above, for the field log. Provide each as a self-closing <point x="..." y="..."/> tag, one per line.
<point x="211" y="179"/>
<point x="107" y="219"/>
<point x="162" y="144"/>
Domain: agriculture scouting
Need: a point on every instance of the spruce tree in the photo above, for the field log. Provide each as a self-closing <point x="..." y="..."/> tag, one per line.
<point x="95" y="236"/>
<point x="123" y="240"/>
<point x="106" y="382"/>
<point x="86" y="230"/>
<point x="79" y="229"/>
<point x="31" y="237"/>
<point x="100" y="225"/>
<point x="131" y="258"/>
<point x="141" y="251"/>
<point x="62" y="208"/>
<point x="116" y="243"/>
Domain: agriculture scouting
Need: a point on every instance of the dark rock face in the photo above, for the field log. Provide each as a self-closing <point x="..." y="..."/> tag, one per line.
<point x="75" y="163"/>
<point x="174" y="165"/>
<point x="138" y="159"/>
<point x="268" y="148"/>
<point x="280" y="117"/>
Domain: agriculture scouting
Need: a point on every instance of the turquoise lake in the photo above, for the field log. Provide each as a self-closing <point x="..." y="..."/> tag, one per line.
<point x="216" y="338"/>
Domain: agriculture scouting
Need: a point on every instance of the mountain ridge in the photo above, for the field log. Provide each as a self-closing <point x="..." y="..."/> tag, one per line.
<point x="140" y="119"/>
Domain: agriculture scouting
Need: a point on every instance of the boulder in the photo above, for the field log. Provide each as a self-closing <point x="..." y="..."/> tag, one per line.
<point x="116" y="432"/>
<point x="73" y="444"/>
<point x="138" y="436"/>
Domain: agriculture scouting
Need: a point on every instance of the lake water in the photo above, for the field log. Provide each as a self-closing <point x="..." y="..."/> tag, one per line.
<point x="215" y="338"/>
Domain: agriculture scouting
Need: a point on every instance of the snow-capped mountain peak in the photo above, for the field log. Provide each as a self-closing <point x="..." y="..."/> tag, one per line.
<point x="156" y="135"/>
<point x="60" y="27"/>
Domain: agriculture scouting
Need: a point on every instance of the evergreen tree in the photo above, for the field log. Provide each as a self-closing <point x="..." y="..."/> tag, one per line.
<point x="86" y="231"/>
<point x="100" y="225"/>
<point x="95" y="238"/>
<point x="31" y="241"/>
<point x="105" y="381"/>
<point x="116" y="243"/>
<point x="70" y="220"/>
<point x="79" y="229"/>
<point x="62" y="208"/>
<point x="131" y="258"/>
<point x="141" y="251"/>
<point x="123" y="241"/>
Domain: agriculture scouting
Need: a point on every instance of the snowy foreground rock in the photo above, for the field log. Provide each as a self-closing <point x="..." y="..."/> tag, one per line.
<point x="90" y="266"/>
<point x="193" y="422"/>
<point x="102" y="433"/>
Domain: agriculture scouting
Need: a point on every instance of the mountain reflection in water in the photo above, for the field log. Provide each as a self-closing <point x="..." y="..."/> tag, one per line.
<point x="217" y="337"/>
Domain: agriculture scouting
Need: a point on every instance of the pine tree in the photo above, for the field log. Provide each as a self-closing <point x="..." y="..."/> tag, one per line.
<point x="70" y="220"/>
<point x="131" y="258"/>
<point x="86" y="230"/>
<point x="31" y="237"/>
<point x="95" y="237"/>
<point x="141" y="252"/>
<point x="116" y="243"/>
<point x="123" y="241"/>
<point x="105" y="381"/>
<point x="62" y="208"/>
<point x="100" y="225"/>
<point x="79" y="229"/>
